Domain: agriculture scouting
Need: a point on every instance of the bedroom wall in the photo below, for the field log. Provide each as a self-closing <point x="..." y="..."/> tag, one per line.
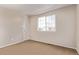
<point x="65" y="28"/>
<point x="11" y="27"/>
<point x="77" y="29"/>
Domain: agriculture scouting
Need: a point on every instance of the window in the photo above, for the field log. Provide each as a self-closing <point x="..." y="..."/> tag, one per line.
<point x="47" y="23"/>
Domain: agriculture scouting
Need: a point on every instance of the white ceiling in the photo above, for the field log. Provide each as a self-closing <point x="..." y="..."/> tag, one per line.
<point x="33" y="9"/>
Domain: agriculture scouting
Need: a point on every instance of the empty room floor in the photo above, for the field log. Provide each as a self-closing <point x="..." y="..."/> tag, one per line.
<point x="36" y="48"/>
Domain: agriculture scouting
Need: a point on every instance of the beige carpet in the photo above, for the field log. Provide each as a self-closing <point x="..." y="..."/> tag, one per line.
<point x="36" y="48"/>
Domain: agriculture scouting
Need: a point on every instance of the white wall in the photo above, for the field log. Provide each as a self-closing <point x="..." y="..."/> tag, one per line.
<point x="26" y="27"/>
<point x="77" y="29"/>
<point x="65" y="28"/>
<point x="11" y="30"/>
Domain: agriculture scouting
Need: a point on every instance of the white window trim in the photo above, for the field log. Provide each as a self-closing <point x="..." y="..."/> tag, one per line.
<point x="54" y="29"/>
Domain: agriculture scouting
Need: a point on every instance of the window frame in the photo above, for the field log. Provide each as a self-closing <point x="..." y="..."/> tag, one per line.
<point x="53" y="29"/>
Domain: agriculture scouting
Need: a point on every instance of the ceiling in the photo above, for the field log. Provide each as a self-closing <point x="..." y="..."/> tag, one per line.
<point x="33" y="9"/>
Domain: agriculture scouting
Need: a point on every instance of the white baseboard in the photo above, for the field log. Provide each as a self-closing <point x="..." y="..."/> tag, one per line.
<point x="54" y="43"/>
<point x="12" y="43"/>
<point x="77" y="50"/>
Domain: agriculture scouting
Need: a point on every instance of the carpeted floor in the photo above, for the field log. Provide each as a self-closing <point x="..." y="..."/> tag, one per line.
<point x="36" y="48"/>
